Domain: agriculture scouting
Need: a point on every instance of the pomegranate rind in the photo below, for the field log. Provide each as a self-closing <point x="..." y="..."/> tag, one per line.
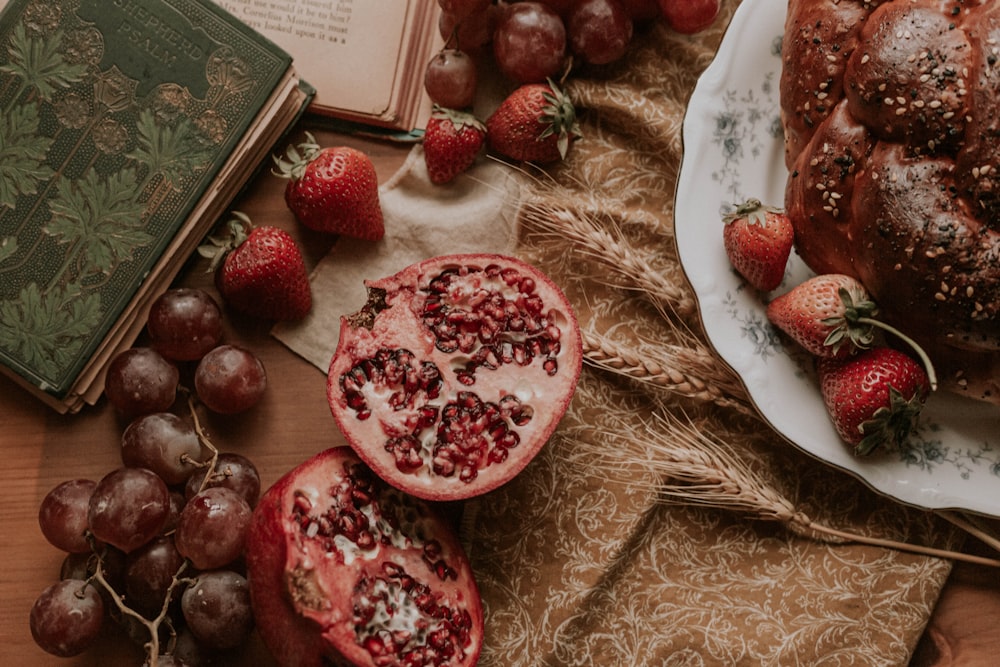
<point x="395" y="319"/>
<point x="304" y="583"/>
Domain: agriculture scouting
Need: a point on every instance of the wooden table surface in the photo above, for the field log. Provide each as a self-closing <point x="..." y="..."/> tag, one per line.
<point x="41" y="448"/>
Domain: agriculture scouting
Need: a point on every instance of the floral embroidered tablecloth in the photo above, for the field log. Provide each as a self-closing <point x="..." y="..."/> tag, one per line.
<point x="581" y="560"/>
<point x="587" y="558"/>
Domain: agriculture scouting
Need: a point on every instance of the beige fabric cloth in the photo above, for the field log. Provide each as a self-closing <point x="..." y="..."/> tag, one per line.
<point x="477" y="213"/>
<point x="579" y="560"/>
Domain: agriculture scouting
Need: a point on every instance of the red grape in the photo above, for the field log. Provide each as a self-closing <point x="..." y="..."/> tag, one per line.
<point x="62" y="515"/>
<point x="187" y="651"/>
<point x="599" y="31"/>
<point x="139" y="381"/>
<point x="450" y="79"/>
<point x="112" y="562"/>
<point x="230" y="379"/>
<point x="529" y="44"/>
<point x="163" y="443"/>
<point x="149" y="573"/>
<point x="233" y="471"/>
<point x="689" y="16"/>
<point x="462" y="8"/>
<point x="67" y="617"/>
<point x="77" y="566"/>
<point x="184" y="323"/>
<point x="561" y="7"/>
<point x="217" y="609"/>
<point x="145" y="537"/>
<point x="470" y="33"/>
<point x="211" y="531"/>
<point x="642" y="10"/>
<point x="128" y="508"/>
<point x="83" y="566"/>
<point x="177" y="501"/>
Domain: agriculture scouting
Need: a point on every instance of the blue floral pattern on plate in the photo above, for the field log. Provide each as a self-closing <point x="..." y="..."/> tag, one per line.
<point x="734" y="150"/>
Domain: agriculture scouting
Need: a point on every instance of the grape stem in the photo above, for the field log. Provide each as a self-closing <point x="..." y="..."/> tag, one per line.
<point x="206" y="441"/>
<point x="153" y="625"/>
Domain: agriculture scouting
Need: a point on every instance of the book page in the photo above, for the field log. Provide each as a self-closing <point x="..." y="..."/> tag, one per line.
<point x="349" y="50"/>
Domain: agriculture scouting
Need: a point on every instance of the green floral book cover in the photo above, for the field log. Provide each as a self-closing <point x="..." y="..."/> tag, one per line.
<point x="115" y="117"/>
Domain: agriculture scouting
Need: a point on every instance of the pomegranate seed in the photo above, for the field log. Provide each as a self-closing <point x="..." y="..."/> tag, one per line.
<point x="302" y="503"/>
<point x="406" y="451"/>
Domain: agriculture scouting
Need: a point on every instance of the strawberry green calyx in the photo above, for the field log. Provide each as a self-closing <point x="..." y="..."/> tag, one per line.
<point x="892" y="424"/>
<point x="219" y="246"/>
<point x="559" y="118"/>
<point x="297" y="158"/>
<point x="460" y="119"/>
<point x="857" y="325"/>
<point x="753" y="210"/>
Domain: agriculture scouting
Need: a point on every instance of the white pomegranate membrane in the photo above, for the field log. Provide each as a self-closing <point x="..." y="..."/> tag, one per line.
<point x="455" y="373"/>
<point x="344" y="567"/>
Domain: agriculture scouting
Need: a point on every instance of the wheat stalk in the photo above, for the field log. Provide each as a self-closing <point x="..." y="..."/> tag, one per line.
<point x="974" y="525"/>
<point x="591" y="240"/>
<point x="691" y="373"/>
<point x="699" y="470"/>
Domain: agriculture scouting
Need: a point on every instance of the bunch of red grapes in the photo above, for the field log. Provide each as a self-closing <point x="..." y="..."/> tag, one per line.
<point x="157" y="544"/>
<point x="534" y="41"/>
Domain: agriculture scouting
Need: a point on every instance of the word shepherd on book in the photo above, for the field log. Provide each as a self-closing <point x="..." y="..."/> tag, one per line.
<point x="127" y="129"/>
<point x="365" y="58"/>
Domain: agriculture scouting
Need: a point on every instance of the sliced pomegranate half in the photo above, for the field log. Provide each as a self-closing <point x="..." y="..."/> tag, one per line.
<point x="343" y="568"/>
<point x="455" y="373"/>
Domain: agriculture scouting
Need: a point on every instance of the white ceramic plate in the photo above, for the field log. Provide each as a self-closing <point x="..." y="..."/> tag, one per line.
<point x="734" y="150"/>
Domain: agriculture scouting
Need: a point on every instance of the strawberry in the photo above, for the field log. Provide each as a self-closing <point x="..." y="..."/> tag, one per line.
<point x="874" y="397"/>
<point x="535" y="123"/>
<point x="829" y="315"/>
<point x="333" y="189"/>
<point x="451" y="142"/>
<point x="758" y="241"/>
<point x="259" y="271"/>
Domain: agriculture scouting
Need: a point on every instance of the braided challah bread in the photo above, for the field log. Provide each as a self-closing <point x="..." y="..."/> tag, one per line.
<point x="891" y="112"/>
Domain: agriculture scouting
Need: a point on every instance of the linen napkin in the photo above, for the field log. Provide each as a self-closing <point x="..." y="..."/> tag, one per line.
<point x="474" y="213"/>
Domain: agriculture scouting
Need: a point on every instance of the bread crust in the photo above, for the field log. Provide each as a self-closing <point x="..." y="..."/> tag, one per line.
<point x="891" y="113"/>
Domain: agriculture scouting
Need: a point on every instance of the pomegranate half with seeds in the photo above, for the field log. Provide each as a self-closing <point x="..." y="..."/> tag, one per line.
<point x="344" y="568"/>
<point x="455" y="373"/>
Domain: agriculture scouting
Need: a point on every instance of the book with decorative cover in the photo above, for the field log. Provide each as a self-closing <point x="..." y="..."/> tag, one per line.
<point x="126" y="129"/>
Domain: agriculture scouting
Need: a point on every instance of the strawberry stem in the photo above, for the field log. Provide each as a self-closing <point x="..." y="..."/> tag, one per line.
<point x="559" y="118"/>
<point x="924" y="359"/>
<point x="891" y="424"/>
<point x="860" y="310"/>
<point x="850" y="326"/>
<point x="297" y="158"/>
<point x="218" y="247"/>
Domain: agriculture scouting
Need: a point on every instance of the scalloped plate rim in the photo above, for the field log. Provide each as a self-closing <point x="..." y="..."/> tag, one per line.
<point x="952" y="468"/>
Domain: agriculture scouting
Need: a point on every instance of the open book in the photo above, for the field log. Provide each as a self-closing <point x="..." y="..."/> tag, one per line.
<point x="365" y="58"/>
<point x="126" y="129"/>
